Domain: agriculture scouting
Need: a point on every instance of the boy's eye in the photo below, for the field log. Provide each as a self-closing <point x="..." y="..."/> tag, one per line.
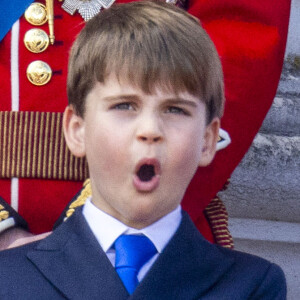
<point x="177" y="110"/>
<point x="123" y="106"/>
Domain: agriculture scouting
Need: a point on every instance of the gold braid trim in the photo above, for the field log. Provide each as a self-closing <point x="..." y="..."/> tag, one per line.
<point x="217" y="217"/>
<point x="4" y="214"/>
<point x="33" y="146"/>
<point x="85" y="193"/>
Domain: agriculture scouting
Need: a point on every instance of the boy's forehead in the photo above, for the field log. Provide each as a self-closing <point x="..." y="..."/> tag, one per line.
<point x="123" y="84"/>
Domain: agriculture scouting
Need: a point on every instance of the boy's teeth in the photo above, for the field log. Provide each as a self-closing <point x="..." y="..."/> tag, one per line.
<point x="146" y="172"/>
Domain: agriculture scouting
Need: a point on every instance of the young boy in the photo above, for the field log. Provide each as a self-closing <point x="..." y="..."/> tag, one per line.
<point x="146" y="96"/>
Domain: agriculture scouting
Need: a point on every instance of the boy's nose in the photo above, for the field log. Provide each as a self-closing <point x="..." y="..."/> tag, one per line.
<point x="149" y="130"/>
<point x="149" y="138"/>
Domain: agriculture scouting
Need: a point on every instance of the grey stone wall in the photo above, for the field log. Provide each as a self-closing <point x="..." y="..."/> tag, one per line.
<point x="263" y="199"/>
<point x="266" y="184"/>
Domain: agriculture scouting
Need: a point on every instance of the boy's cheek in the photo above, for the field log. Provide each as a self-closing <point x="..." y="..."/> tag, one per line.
<point x="106" y="155"/>
<point x="186" y="158"/>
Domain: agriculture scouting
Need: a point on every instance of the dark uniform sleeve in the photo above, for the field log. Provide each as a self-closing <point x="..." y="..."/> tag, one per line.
<point x="9" y="217"/>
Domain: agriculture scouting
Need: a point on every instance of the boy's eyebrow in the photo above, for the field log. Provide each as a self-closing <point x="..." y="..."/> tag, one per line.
<point x="121" y="96"/>
<point x="182" y="101"/>
<point x="169" y="101"/>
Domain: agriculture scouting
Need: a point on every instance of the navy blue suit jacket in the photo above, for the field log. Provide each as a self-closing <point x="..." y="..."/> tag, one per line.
<point x="71" y="264"/>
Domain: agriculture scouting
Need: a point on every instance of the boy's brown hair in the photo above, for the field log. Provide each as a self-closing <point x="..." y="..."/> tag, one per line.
<point x="149" y="44"/>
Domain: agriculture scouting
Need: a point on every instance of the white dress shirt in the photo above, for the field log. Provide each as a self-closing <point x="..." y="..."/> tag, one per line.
<point x="107" y="229"/>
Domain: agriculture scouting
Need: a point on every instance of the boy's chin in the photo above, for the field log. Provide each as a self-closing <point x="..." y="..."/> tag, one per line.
<point x="139" y="220"/>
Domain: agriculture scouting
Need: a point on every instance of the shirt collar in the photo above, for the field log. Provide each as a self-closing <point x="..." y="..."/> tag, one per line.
<point x="107" y="229"/>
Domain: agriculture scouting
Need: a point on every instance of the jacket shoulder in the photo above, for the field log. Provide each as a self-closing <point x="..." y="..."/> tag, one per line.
<point x="14" y="264"/>
<point x="269" y="279"/>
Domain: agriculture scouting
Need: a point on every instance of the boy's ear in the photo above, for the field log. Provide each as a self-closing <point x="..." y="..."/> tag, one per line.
<point x="73" y="126"/>
<point x="211" y="136"/>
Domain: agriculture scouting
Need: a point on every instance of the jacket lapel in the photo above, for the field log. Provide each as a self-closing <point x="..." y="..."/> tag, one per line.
<point x="187" y="268"/>
<point x="73" y="261"/>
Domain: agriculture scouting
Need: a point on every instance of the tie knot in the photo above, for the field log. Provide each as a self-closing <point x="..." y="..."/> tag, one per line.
<point x="133" y="251"/>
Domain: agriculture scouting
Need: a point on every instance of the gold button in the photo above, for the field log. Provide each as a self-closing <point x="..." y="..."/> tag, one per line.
<point x="36" y="40"/>
<point x="36" y="14"/>
<point x="39" y="72"/>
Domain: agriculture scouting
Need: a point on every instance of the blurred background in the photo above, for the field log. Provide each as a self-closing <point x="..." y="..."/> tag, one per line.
<point x="263" y="198"/>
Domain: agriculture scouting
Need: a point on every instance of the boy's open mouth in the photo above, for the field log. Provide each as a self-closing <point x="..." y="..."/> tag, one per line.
<point x="146" y="172"/>
<point x="147" y="175"/>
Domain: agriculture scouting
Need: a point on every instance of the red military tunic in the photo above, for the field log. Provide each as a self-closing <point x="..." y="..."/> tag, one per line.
<point x="250" y="37"/>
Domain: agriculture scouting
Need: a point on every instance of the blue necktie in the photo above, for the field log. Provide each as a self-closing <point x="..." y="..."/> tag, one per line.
<point x="132" y="252"/>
